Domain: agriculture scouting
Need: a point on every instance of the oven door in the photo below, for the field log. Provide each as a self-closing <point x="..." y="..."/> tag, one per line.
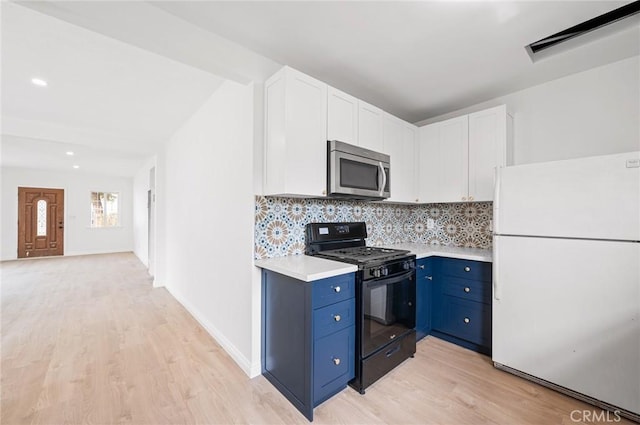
<point x="388" y="307"/>
<point x="355" y="175"/>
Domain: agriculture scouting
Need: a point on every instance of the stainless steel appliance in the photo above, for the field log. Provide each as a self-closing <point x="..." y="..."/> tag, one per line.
<point x="356" y="172"/>
<point x="385" y="297"/>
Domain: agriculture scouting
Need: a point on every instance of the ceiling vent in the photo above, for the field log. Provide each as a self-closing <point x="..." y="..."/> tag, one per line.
<point x="586" y="31"/>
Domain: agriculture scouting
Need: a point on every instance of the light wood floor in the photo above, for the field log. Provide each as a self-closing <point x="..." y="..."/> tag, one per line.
<point x="87" y="340"/>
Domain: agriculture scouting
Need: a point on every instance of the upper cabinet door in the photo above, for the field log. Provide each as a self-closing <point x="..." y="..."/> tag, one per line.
<point x="370" y="127"/>
<point x="409" y="141"/>
<point x="487" y="150"/>
<point x="398" y="142"/>
<point x="296" y="134"/>
<point x="429" y="166"/>
<point x="342" y="116"/>
<point x="453" y="142"/>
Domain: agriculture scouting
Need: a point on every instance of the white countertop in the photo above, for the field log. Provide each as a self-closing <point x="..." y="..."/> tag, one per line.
<point x="307" y="269"/>
<point x="422" y="251"/>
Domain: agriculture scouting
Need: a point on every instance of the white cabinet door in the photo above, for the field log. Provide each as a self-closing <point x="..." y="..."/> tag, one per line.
<point x="399" y="143"/>
<point x="462" y="154"/>
<point x="370" y="127"/>
<point x="487" y="141"/>
<point x="342" y="116"/>
<point x="296" y="134"/>
<point x="409" y="140"/>
<point x="429" y="166"/>
<point x="453" y="141"/>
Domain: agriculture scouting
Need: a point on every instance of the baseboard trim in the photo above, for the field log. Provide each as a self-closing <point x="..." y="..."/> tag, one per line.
<point x="220" y="338"/>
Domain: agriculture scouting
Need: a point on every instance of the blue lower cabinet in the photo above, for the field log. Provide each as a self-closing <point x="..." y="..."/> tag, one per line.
<point x="333" y="363"/>
<point x="424" y="282"/>
<point x="308" y="337"/>
<point x="461" y="303"/>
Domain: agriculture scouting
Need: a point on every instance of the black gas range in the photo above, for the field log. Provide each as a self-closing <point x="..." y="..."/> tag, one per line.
<point x="385" y="297"/>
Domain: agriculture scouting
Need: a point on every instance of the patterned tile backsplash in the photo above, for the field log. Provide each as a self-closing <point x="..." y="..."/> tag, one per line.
<point x="280" y="223"/>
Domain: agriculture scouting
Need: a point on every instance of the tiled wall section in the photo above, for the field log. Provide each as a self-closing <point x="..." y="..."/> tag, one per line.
<point x="280" y="223"/>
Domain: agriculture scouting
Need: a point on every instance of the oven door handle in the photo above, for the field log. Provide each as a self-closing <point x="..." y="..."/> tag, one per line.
<point x="389" y="280"/>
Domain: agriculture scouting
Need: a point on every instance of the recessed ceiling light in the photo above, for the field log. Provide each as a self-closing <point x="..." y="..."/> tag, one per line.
<point x="69" y="153"/>
<point x="76" y="166"/>
<point x="39" y="82"/>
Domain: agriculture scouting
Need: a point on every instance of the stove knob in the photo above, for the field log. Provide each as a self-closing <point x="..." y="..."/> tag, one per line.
<point x="375" y="272"/>
<point x="385" y="271"/>
<point x="406" y="265"/>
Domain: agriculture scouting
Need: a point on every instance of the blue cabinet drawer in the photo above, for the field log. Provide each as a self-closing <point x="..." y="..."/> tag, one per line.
<point x="333" y="318"/>
<point x="468" y="320"/>
<point x="473" y="290"/>
<point x="333" y="363"/>
<point x="333" y="289"/>
<point x="466" y="269"/>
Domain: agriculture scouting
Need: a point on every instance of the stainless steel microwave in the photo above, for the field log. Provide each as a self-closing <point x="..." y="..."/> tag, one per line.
<point x="356" y="172"/>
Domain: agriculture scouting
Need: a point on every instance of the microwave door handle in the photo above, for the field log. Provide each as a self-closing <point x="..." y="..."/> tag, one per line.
<point x="382" y="184"/>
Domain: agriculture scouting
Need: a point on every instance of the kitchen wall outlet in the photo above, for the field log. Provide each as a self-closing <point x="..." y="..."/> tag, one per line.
<point x="430" y="223"/>
<point x="491" y="225"/>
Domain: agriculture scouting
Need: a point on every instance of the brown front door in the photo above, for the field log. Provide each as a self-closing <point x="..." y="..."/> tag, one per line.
<point x="40" y="222"/>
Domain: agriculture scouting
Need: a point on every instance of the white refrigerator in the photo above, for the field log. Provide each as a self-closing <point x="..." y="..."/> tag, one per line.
<point x="566" y="277"/>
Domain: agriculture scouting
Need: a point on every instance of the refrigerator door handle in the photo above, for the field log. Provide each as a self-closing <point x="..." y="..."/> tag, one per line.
<point x="497" y="290"/>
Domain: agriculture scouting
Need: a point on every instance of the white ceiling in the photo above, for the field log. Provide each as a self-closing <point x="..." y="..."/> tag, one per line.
<point x="116" y="103"/>
<point x="414" y="59"/>
<point x="123" y="76"/>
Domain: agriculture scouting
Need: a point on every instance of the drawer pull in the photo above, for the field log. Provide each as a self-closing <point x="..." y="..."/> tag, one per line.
<point x="467" y="320"/>
<point x="422" y="266"/>
<point x="392" y="351"/>
<point x="337" y="317"/>
<point x="336" y="361"/>
<point x="467" y="269"/>
<point x="429" y="277"/>
<point x="337" y="289"/>
<point x="467" y="289"/>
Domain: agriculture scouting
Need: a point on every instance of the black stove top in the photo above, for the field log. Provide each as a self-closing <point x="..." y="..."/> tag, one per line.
<point x="346" y="242"/>
<point x="363" y="254"/>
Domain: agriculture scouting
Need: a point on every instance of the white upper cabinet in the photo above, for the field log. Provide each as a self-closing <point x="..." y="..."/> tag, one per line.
<point x="457" y="157"/>
<point x="399" y="143"/>
<point x="370" y="127"/>
<point x="296" y="134"/>
<point x="443" y="161"/>
<point x="488" y="132"/>
<point x="342" y="116"/>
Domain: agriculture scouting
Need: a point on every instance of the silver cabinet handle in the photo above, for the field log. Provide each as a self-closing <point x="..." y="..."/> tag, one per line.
<point x="422" y="266"/>
<point x="337" y="318"/>
<point x="467" y="320"/>
<point x="337" y="289"/>
<point x="467" y="269"/>
<point x="336" y="361"/>
<point x="429" y="277"/>
<point x="467" y="289"/>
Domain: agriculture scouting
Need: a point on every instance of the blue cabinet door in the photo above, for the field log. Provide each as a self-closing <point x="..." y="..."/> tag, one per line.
<point x="425" y="275"/>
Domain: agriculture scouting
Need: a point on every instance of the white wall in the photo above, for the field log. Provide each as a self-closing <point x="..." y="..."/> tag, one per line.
<point x="141" y="185"/>
<point x="205" y="193"/>
<point x="595" y="112"/>
<point x="79" y="238"/>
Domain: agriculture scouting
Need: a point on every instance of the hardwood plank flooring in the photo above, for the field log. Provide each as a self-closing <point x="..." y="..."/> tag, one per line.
<point x="88" y="340"/>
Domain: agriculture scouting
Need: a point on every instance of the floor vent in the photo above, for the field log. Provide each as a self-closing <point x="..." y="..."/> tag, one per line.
<point x="543" y="47"/>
